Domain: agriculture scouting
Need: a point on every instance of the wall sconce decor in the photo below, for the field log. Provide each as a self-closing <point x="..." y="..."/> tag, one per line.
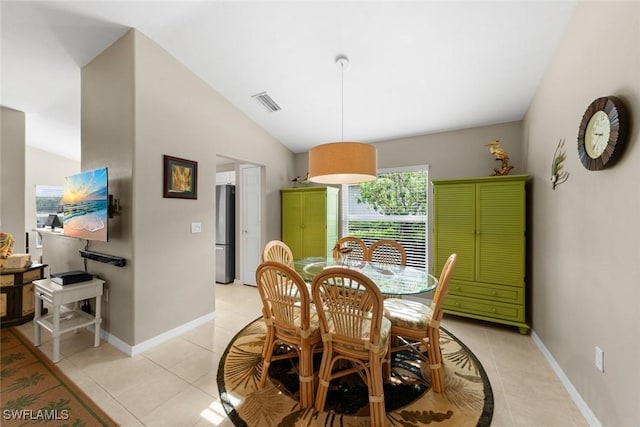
<point x="558" y="176"/>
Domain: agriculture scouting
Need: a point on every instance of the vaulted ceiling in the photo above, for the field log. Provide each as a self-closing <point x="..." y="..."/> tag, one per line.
<point x="416" y="67"/>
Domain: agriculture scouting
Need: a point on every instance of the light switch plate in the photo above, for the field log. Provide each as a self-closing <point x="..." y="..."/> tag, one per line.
<point x="600" y="359"/>
<point x="196" y="227"/>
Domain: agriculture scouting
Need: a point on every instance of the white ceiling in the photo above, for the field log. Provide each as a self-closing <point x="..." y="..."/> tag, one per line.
<point x="416" y="67"/>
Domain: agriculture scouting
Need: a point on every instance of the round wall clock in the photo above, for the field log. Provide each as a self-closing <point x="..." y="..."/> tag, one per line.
<point x="602" y="133"/>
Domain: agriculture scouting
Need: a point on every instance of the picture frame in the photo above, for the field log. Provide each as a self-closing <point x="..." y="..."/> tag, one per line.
<point x="180" y="178"/>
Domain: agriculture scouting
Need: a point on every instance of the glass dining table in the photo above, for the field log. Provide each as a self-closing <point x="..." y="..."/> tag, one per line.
<point x="391" y="279"/>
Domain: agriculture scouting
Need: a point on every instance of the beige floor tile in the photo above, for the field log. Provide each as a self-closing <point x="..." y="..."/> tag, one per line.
<point x="119" y="376"/>
<point x="214" y="415"/>
<point x="172" y="352"/>
<point x="145" y="396"/>
<point x="202" y="335"/>
<point x="196" y="365"/>
<point x="111" y="406"/>
<point x="184" y="409"/>
<point x="208" y="383"/>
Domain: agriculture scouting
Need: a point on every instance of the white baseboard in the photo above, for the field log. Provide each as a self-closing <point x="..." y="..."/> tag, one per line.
<point x="575" y="396"/>
<point x="157" y="340"/>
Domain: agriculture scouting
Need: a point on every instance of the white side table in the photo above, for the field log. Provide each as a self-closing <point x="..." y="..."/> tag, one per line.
<point x="57" y="295"/>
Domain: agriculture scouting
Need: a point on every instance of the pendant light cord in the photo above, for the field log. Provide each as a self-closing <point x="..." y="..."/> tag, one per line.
<point x="342" y="102"/>
<point x="343" y="62"/>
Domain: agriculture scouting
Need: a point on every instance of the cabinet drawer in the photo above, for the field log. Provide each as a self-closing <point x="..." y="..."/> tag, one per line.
<point x="28" y="301"/>
<point x="30" y="276"/>
<point x="3" y="305"/>
<point x="484" y="308"/>
<point x="508" y="294"/>
<point x="7" y="279"/>
<point x="45" y="295"/>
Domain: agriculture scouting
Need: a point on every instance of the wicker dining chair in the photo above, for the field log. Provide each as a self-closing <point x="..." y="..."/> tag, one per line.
<point x="276" y="250"/>
<point x="349" y="307"/>
<point x="353" y="248"/>
<point x="388" y="251"/>
<point x="291" y="320"/>
<point x="414" y="321"/>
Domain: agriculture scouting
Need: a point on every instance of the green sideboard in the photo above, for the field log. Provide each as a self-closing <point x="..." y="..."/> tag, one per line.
<point x="483" y="221"/>
<point x="310" y="220"/>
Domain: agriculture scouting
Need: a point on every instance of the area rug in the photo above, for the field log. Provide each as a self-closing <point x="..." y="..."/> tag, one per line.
<point x="409" y="400"/>
<point x="35" y="391"/>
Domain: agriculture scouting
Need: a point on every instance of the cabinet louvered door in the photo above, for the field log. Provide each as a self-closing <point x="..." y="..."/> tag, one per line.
<point x="454" y="228"/>
<point x="314" y="223"/>
<point x="292" y="214"/>
<point x="500" y="228"/>
<point x="310" y="220"/>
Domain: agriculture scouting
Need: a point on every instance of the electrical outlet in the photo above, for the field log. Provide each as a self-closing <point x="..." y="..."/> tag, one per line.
<point x="196" y="227"/>
<point x="600" y="359"/>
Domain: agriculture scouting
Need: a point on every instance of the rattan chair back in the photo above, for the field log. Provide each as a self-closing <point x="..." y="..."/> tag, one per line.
<point x="388" y="252"/>
<point x="352" y="248"/>
<point x="276" y="250"/>
<point x="290" y="320"/>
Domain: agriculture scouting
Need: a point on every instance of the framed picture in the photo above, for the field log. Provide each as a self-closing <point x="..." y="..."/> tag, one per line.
<point x="180" y="178"/>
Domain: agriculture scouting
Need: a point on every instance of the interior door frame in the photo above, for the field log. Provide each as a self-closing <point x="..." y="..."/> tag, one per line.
<point x="261" y="232"/>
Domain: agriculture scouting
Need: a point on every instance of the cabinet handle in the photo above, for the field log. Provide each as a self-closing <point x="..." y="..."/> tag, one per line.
<point x="494" y="293"/>
<point x="493" y="310"/>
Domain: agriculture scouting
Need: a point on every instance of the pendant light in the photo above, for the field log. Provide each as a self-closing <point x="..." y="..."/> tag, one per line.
<point x="342" y="162"/>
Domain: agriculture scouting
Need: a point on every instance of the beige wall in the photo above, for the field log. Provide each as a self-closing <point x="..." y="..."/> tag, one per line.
<point x="139" y="103"/>
<point x="12" y="175"/>
<point x="459" y="153"/>
<point x="586" y="233"/>
<point x="108" y="138"/>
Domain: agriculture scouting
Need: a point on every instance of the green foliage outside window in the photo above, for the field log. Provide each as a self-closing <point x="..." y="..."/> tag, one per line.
<point x="398" y="193"/>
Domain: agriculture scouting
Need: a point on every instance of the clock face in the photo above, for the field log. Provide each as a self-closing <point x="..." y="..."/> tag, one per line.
<point x="602" y="133"/>
<point x="597" y="135"/>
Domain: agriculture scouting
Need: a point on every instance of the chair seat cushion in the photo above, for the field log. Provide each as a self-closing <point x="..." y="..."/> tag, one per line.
<point x="385" y="332"/>
<point x="314" y="321"/>
<point x="407" y="314"/>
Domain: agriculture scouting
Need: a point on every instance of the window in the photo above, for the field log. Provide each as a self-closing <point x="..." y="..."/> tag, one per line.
<point x="48" y="201"/>
<point x="392" y="207"/>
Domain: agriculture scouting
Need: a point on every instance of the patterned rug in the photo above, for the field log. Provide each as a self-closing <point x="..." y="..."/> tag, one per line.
<point x="35" y="391"/>
<point x="409" y="400"/>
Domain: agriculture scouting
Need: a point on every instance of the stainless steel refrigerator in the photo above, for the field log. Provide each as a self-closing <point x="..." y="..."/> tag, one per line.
<point x="225" y="233"/>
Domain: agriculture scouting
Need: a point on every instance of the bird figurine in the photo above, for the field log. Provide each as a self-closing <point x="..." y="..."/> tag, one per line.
<point x="558" y="176"/>
<point x="299" y="180"/>
<point x="341" y="253"/>
<point x="500" y="155"/>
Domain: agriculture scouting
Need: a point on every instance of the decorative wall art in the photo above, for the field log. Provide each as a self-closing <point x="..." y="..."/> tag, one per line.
<point x="180" y="178"/>
<point x="558" y="176"/>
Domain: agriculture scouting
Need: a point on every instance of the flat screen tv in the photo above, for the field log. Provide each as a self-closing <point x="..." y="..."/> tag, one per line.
<point x="86" y="205"/>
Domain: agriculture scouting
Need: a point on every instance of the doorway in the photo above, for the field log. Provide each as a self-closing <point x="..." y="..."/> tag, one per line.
<point x="251" y="221"/>
<point x="248" y="179"/>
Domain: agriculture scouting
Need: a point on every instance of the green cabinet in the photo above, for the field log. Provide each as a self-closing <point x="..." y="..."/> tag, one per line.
<point x="483" y="221"/>
<point x="310" y="220"/>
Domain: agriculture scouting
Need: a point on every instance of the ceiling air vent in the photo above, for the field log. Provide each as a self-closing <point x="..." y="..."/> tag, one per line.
<point x="265" y="100"/>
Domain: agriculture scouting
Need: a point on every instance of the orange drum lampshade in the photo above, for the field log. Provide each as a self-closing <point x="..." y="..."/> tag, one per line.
<point x="343" y="163"/>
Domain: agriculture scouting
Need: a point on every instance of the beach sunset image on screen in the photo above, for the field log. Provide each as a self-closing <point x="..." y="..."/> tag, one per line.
<point x="85" y="201"/>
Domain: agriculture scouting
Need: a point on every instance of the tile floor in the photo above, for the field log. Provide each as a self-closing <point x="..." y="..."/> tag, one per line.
<point x="174" y="384"/>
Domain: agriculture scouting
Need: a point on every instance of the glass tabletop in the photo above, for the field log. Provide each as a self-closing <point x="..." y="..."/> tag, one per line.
<point x="391" y="279"/>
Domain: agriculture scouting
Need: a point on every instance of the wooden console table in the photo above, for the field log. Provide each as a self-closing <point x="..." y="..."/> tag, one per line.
<point x="16" y="294"/>
<point x="60" y="322"/>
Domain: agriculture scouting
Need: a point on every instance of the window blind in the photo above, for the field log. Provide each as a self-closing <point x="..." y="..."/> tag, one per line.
<point x="392" y="207"/>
